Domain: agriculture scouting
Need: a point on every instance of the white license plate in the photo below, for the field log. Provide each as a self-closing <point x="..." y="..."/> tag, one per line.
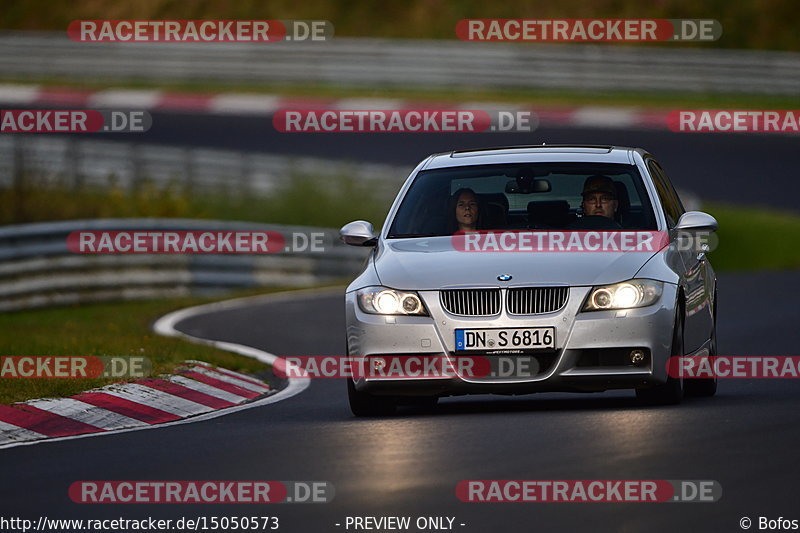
<point x="513" y="339"/>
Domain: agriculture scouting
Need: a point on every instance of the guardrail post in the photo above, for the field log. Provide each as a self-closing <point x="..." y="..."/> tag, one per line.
<point x="188" y="180"/>
<point x="18" y="179"/>
<point x="245" y="186"/>
<point x="137" y="176"/>
<point x="73" y="164"/>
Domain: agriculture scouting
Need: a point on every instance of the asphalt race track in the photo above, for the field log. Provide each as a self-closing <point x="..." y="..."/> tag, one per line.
<point x="745" y="438"/>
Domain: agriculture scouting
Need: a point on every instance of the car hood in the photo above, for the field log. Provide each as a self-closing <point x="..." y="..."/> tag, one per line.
<point x="433" y="263"/>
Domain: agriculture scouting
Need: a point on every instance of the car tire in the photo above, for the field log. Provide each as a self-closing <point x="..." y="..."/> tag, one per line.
<point x="705" y="388"/>
<point x="366" y="404"/>
<point x="670" y="392"/>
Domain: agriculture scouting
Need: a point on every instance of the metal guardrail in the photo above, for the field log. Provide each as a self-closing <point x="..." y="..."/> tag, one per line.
<point x="38" y="270"/>
<point x="357" y="62"/>
<point x="79" y="162"/>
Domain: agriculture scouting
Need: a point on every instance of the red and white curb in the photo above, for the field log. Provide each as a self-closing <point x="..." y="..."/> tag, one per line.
<point x="267" y="104"/>
<point x="198" y="392"/>
<point x="195" y="390"/>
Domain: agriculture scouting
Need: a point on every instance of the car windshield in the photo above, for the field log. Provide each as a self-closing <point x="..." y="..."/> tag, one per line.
<point x="524" y="196"/>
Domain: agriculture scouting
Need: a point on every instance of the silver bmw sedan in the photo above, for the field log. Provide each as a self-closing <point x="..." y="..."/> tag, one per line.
<point x="531" y="269"/>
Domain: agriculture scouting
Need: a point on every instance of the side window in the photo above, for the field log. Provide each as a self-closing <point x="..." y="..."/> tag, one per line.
<point x="681" y="209"/>
<point x="673" y="209"/>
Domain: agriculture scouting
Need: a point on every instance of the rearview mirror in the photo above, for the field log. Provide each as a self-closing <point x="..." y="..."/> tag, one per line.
<point x="522" y="186"/>
<point x="358" y="233"/>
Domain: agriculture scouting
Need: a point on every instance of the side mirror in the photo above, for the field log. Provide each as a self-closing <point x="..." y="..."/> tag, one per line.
<point x="696" y="221"/>
<point x="358" y="233"/>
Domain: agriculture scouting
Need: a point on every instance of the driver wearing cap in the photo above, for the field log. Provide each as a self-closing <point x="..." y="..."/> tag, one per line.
<point x="599" y="205"/>
<point x="599" y="197"/>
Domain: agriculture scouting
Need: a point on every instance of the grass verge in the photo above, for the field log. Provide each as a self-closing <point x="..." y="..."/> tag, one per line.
<point x="104" y="329"/>
<point x="300" y="200"/>
<point x="752" y="238"/>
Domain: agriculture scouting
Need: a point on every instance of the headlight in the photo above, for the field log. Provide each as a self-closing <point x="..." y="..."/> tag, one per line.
<point x="625" y="295"/>
<point x="383" y="301"/>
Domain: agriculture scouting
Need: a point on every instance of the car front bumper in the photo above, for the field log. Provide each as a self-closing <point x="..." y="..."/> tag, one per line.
<point x="592" y="349"/>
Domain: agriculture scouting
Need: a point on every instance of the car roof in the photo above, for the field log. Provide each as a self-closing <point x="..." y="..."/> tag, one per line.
<point x="544" y="153"/>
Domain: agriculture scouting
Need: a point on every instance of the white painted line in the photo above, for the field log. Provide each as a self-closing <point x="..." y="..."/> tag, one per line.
<point x="249" y="104"/>
<point x="608" y="117"/>
<point x="166" y="326"/>
<point x="492" y="107"/>
<point x="260" y="389"/>
<point x="86" y="413"/>
<point x="11" y="435"/>
<point x="125" y="99"/>
<point x="382" y="104"/>
<point x="18" y="94"/>
<point x="155" y="398"/>
<point x="205" y="389"/>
